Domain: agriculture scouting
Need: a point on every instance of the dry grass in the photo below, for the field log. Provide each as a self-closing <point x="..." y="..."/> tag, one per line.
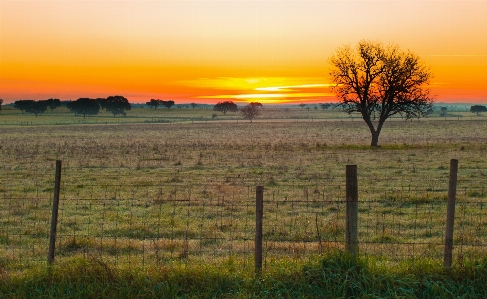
<point x="144" y="193"/>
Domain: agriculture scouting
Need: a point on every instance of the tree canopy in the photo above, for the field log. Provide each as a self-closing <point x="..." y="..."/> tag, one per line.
<point x="116" y="105"/>
<point x="378" y="82"/>
<point x="22" y="104"/>
<point x="226" y="106"/>
<point x="153" y="103"/>
<point x="167" y="104"/>
<point x="53" y="103"/>
<point x="1" y="102"/>
<point x="84" y="106"/>
<point x="251" y="110"/>
<point x="156" y="103"/>
<point x="37" y="107"/>
<point x="478" y="109"/>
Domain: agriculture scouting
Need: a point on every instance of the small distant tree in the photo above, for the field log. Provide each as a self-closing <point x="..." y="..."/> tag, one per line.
<point x="213" y="116"/>
<point x="153" y="103"/>
<point x="84" y="106"/>
<point x="429" y="112"/>
<point x="302" y="105"/>
<point x="251" y="111"/>
<point x="116" y="105"/>
<point x="325" y="106"/>
<point x="168" y="104"/>
<point x="194" y="105"/>
<point x="477" y="109"/>
<point x="1" y="102"/>
<point x="22" y="104"/>
<point x="226" y="106"/>
<point x="443" y="111"/>
<point x="53" y="103"/>
<point x="37" y="107"/>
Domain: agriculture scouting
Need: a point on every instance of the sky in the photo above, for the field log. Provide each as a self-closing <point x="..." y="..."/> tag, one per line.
<point x="206" y="51"/>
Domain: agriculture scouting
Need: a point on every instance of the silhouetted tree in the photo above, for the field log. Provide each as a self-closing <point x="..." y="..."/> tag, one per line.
<point x="37" y="107"/>
<point x="379" y="82"/>
<point x="194" y="105"/>
<point x="443" y="111"/>
<point x="84" y="106"/>
<point x="251" y="111"/>
<point x="153" y="103"/>
<point x="116" y="105"/>
<point x="1" y="102"/>
<point x="302" y="105"/>
<point x="53" y="103"/>
<point x="22" y="104"/>
<point x="256" y="104"/>
<point x="168" y="104"/>
<point x="226" y="106"/>
<point x="478" y="109"/>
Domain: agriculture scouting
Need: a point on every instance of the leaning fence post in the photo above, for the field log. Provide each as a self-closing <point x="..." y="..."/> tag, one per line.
<point x="259" y="213"/>
<point x="450" y="213"/>
<point x="351" y="233"/>
<point x="55" y="208"/>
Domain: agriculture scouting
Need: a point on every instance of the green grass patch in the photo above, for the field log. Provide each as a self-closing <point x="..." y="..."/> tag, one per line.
<point x="336" y="275"/>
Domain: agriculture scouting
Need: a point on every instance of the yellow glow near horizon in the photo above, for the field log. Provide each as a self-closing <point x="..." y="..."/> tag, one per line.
<point x="268" y="95"/>
<point x="243" y="88"/>
<point x="290" y="88"/>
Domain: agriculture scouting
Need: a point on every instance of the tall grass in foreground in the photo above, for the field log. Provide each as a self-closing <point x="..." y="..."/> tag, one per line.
<point x="336" y="275"/>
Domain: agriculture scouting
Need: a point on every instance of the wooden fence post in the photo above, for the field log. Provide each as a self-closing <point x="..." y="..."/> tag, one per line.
<point x="259" y="214"/>
<point x="351" y="233"/>
<point x="450" y="213"/>
<point x="55" y="208"/>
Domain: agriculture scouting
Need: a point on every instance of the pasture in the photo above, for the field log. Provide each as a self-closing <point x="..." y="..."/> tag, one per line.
<point x="175" y="186"/>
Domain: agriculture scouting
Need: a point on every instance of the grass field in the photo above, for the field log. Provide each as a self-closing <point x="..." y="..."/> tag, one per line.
<point x="140" y="192"/>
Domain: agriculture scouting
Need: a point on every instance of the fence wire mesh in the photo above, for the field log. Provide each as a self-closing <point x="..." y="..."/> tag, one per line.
<point x="129" y="221"/>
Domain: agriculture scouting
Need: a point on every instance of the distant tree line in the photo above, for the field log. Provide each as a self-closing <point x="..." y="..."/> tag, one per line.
<point x="153" y="103"/>
<point x="37" y="107"/>
<point x="117" y="105"/>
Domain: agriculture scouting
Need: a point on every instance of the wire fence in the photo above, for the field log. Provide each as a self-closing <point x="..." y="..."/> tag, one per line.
<point x="151" y="222"/>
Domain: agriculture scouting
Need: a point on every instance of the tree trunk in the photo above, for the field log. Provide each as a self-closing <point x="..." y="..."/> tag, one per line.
<point x="375" y="138"/>
<point x="376" y="133"/>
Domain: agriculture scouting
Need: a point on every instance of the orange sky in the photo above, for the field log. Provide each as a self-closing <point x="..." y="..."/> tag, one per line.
<point x="243" y="50"/>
